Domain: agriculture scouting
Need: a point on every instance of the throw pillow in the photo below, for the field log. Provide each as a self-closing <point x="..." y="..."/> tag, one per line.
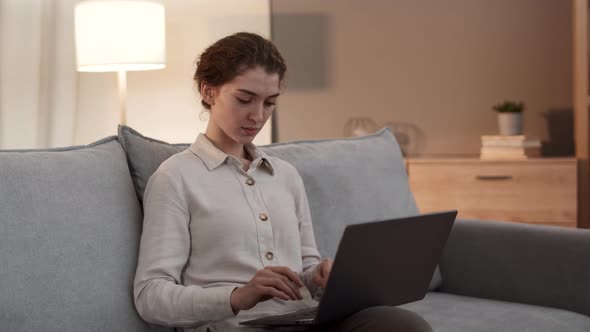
<point x="144" y="155"/>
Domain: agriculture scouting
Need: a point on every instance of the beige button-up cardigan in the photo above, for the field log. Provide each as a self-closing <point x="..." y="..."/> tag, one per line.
<point x="209" y="226"/>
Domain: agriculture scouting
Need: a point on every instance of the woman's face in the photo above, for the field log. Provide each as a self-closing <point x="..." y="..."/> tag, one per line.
<point x="241" y="107"/>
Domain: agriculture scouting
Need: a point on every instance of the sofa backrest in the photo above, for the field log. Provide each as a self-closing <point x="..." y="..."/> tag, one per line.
<point x="69" y="233"/>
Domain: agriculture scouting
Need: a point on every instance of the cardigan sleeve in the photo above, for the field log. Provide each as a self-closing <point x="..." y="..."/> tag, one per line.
<point x="160" y="297"/>
<point x="309" y="254"/>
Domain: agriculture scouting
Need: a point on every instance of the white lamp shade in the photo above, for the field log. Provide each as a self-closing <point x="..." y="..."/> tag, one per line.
<point x="120" y="35"/>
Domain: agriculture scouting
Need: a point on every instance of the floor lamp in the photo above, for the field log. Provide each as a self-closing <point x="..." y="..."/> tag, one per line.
<point x="120" y="36"/>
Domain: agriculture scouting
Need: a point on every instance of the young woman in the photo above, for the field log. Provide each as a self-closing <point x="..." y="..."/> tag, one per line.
<point x="227" y="233"/>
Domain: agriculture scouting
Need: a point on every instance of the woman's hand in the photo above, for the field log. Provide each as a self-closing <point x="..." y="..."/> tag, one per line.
<point x="322" y="272"/>
<point x="270" y="282"/>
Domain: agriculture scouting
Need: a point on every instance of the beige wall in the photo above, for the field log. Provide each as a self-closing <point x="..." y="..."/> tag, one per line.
<point x="163" y="103"/>
<point x="20" y="43"/>
<point x="439" y="65"/>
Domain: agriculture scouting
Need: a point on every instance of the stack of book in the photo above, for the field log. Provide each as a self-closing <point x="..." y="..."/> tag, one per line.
<point x="509" y="147"/>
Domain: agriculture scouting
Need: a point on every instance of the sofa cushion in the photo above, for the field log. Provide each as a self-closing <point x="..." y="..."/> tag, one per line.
<point x="144" y="155"/>
<point x="69" y="231"/>
<point x="347" y="180"/>
<point x="448" y="312"/>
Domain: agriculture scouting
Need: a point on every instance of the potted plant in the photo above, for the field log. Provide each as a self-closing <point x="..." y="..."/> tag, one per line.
<point x="510" y="117"/>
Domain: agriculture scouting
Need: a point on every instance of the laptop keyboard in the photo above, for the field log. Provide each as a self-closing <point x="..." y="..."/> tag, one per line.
<point x="298" y="315"/>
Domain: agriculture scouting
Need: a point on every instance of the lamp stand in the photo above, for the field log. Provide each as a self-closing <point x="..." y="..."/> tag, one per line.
<point x="122" y="84"/>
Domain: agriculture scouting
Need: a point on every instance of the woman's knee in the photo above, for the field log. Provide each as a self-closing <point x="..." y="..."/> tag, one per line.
<point x="384" y="318"/>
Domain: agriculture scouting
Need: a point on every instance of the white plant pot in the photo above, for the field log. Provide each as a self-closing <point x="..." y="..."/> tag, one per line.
<point x="510" y="123"/>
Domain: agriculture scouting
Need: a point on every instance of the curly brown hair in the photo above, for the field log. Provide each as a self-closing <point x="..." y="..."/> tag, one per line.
<point x="233" y="55"/>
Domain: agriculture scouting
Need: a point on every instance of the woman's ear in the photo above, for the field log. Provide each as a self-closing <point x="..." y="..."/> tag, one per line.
<point x="208" y="93"/>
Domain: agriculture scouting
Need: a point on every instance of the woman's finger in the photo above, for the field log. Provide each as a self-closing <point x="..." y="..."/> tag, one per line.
<point x="322" y="273"/>
<point x="287" y="272"/>
<point x="327" y="266"/>
<point x="279" y="285"/>
<point x="290" y="284"/>
<point x="273" y="292"/>
<point x="283" y="274"/>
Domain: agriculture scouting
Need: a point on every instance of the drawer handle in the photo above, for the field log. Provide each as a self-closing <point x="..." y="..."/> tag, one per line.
<point x="494" y="177"/>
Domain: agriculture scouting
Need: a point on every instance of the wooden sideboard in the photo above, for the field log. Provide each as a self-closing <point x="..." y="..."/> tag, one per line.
<point x="539" y="191"/>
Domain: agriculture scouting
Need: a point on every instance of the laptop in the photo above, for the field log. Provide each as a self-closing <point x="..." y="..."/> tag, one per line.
<point x="389" y="262"/>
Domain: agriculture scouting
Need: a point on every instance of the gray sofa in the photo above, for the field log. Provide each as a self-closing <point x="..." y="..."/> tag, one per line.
<point x="70" y="221"/>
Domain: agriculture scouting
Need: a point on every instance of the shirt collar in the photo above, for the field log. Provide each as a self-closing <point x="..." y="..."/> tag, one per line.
<point x="213" y="157"/>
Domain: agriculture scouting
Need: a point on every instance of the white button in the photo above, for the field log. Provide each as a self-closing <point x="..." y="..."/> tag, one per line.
<point x="263" y="217"/>
<point x="250" y="182"/>
<point x="269" y="255"/>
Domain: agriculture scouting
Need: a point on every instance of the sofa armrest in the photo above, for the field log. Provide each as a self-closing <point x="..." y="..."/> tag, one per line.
<point x="539" y="265"/>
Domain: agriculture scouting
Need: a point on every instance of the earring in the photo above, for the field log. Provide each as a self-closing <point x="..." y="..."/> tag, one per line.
<point x="204" y="115"/>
